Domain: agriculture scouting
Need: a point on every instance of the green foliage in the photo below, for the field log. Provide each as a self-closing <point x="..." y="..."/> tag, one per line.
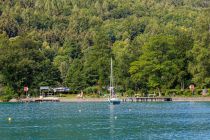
<point x="22" y="61"/>
<point x="174" y="92"/>
<point x="155" y="44"/>
<point x="200" y="53"/>
<point x="6" y="94"/>
<point x="97" y="61"/>
<point x="75" y="78"/>
<point x="8" y="25"/>
<point x="178" y="92"/>
<point x="156" y="65"/>
<point x="130" y="92"/>
<point x="91" y="90"/>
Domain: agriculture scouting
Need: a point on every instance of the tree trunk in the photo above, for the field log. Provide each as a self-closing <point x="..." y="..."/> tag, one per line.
<point x="182" y="85"/>
<point x="159" y="91"/>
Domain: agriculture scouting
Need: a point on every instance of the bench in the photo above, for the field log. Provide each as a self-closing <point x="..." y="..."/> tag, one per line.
<point x="152" y="95"/>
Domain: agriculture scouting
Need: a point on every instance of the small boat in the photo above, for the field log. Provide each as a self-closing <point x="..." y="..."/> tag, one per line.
<point x="113" y="98"/>
<point x="114" y="101"/>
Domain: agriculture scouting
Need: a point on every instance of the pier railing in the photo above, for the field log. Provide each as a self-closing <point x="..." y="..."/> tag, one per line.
<point x="146" y="99"/>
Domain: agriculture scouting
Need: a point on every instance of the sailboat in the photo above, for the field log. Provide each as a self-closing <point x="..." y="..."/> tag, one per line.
<point x="113" y="98"/>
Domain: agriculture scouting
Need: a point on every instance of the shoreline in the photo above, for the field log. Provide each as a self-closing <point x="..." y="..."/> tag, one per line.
<point x="190" y="99"/>
<point x="84" y="100"/>
<point x="174" y="99"/>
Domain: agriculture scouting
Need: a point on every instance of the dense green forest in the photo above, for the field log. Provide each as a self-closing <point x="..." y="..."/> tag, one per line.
<point x="155" y="44"/>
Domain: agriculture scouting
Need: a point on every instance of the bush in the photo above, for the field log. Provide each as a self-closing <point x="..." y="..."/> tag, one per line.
<point x="170" y="92"/>
<point x="93" y="95"/>
<point x="187" y="93"/>
<point x="91" y="90"/>
<point x="74" y="91"/>
<point x="7" y="94"/>
<point x="178" y="92"/>
<point x="33" y="92"/>
<point x="62" y="95"/>
<point x="198" y="92"/>
<point x="120" y="89"/>
<point x="173" y="92"/>
<point x="6" y="98"/>
<point x="130" y="92"/>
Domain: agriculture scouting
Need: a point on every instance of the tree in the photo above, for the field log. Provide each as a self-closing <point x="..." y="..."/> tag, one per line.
<point x="22" y="61"/>
<point x="199" y="66"/>
<point x="75" y="78"/>
<point x="123" y="57"/>
<point x="156" y="65"/>
<point x="97" y="61"/>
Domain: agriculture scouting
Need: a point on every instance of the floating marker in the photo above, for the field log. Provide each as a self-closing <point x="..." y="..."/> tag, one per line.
<point x="9" y="119"/>
<point x="129" y="109"/>
<point x="79" y="110"/>
<point x="115" y="117"/>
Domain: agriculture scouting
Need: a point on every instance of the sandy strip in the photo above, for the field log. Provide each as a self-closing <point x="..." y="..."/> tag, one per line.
<point x="84" y="100"/>
<point x="64" y="100"/>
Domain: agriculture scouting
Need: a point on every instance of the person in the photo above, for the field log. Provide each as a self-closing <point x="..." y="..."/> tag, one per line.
<point x="204" y="91"/>
<point x="192" y="88"/>
<point x="80" y="95"/>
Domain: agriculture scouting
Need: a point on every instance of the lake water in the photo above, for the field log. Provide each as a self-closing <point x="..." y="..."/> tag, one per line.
<point x="83" y="121"/>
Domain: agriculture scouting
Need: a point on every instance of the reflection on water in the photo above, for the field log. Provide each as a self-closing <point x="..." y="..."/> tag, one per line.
<point x="112" y="123"/>
<point x="183" y="120"/>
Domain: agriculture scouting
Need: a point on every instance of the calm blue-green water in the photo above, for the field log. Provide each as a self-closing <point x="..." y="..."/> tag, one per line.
<point x="83" y="121"/>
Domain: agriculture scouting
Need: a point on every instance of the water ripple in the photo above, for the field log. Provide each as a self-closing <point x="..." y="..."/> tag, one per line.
<point x="183" y="120"/>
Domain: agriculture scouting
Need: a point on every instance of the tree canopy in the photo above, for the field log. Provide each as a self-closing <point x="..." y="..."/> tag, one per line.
<point x="154" y="43"/>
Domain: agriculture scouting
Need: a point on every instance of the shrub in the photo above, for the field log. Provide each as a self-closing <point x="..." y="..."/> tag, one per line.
<point x="7" y="94"/>
<point x="62" y="95"/>
<point x="119" y="89"/>
<point x="140" y="94"/>
<point x="130" y="92"/>
<point x="187" y="93"/>
<point x="91" y="90"/>
<point x="198" y="92"/>
<point x="33" y="92"/>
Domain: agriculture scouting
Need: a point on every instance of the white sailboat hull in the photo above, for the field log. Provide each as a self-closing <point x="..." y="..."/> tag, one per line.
<point x="114" y="100"/>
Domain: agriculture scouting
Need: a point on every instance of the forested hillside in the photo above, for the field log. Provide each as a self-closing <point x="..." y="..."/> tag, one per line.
<point x="155" y="44"/>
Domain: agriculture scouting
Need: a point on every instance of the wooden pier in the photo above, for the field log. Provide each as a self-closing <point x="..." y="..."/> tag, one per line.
<point x="47" y="99"/>
<point x="146" y="99"/>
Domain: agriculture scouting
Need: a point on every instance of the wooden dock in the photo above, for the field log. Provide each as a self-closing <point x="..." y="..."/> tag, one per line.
<point x="146" y="99"/>
<point x="46" y="100"/>
<point x="51" y="99"/>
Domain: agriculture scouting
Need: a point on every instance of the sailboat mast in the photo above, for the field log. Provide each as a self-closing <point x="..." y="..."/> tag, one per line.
<point x="113" y="99"/>
<point x="111" y="80"/>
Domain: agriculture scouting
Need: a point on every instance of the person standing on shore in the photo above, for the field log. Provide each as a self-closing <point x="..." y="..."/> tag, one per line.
<point x="192" y="88"/>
